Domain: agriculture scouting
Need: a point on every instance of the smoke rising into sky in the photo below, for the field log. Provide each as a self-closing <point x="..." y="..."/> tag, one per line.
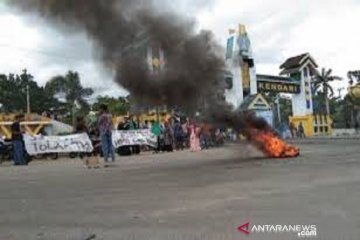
<point x="123" y="29"/>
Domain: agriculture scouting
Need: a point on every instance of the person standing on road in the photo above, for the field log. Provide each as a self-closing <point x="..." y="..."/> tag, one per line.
<point x="205" y="136"/>
<point x="81" y="127"/>
<point x="194" y="138"/>
<point x="168" y="137"/>
<point x="18" y="142"/>
<point x="293" y="130"/>
<point x="301" y="130"/>
<point x="179" y="136"/>
<point x="105" y="128"/>
<point x="185" y="129"/>
<point x="123" y="126"/>
<point x="156" y="130"/>
<point x="135" y="149"/>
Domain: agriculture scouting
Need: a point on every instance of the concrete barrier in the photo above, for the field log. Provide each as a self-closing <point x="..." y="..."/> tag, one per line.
<point x="344" y="132"/>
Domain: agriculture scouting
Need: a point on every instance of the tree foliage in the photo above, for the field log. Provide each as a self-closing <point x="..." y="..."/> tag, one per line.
<point x="13" y="88"/>
<point x="322" y="83"/>
<point x="71" y="87"/>
<point x="117" y="106"/>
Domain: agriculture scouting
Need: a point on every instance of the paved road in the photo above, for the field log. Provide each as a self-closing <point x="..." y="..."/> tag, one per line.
<point x="186" y="195"/>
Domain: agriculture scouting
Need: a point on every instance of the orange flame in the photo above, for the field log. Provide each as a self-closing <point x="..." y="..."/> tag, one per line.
<point x="272" y="145"/>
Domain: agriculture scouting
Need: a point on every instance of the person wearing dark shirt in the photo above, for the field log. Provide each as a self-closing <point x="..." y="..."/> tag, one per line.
<point x="124" y="150"/>
<point x="134" y="126"/>
<point x="81" y="125"/>
<point x="17" y="141"/>
<point x="205" y="136"/>
<point x="179" y="136"/>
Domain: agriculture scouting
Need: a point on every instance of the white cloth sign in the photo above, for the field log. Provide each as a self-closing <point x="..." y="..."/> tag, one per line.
<point x="133" y="137"/>
<point x="58" y="144"/>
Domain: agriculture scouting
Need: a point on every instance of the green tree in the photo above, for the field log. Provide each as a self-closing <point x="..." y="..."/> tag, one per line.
<point x="285" y="109"/>
<point x="71" y="87"/>
<point x="117" y="106"/>
<point x="322" y="81"/>
<point x="14" y="90"/>
<point x="75" y="94"/>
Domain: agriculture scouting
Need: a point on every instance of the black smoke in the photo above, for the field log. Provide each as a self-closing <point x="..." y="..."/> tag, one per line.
<point x="124" y="29"/>
<point x="193" y="73"/>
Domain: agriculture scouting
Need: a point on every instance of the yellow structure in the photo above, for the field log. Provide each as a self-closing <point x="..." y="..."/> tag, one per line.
<point x="314" y="125"/>
<point x="303" y="68"/>
<point x="149" y="116"/>
<point x="32" y="124"/>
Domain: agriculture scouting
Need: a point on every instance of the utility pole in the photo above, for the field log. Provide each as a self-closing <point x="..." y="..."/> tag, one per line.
<point x="28" y="110"/>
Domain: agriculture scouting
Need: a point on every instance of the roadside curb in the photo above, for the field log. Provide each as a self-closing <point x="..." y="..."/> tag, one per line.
<point x="322" y="139"/>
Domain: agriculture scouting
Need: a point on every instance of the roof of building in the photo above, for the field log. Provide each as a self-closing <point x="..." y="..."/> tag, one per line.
<point x="254" y="102"/>
<point x="297" y="61"/>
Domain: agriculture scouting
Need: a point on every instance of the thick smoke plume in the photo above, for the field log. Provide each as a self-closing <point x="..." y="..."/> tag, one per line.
<point x="123" y="29"/>
<point x="190" y="76"/>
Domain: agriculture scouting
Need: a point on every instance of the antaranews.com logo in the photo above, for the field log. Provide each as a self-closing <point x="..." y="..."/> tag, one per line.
<point x="302" y="231"/>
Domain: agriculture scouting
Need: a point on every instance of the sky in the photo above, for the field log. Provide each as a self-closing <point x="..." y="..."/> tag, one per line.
<point x="278" y="29"/>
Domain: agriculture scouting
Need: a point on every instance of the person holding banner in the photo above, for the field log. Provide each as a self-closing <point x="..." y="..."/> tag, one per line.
<point x="168" y="137"/>
<point x="105" y="128"/>
<point x="124" y="150"/>
<point x="18" y="142"/>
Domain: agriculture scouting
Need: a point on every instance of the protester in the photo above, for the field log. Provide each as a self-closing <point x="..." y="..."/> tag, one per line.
<point x="205" y="136"/>
<point x="81" y="126"/>
<point x="105" y="128"/>
<point x="156" y="130"/>
<point x="301" y="131"/>
<point x="168" y="137"/>
<point x="146" y="125"/>
<point x="149" y="124"/>
<point x="135" y="149"/>
<point x="293" y="130"/>
<point x="179" y="136"/>
<point x="124" y="150"/>
<point x="18" y="142"/>
<point x="186" y="130"/>
<point x="162" y="136"/>
<point x="194" y="138"/>
<point x="218" y="137"/>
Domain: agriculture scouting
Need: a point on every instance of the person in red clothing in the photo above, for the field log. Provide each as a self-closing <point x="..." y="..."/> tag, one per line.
<point x="194" y="138"/>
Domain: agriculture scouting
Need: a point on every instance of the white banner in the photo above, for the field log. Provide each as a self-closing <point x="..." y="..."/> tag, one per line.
<point x="133" y="137"/>
<point x="58" y="144"/>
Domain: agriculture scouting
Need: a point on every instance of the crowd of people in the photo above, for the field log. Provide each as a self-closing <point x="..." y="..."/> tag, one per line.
<point x="298" y="131"/>
<point x="179" y="134"/>
<point x="173" y="134"/>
